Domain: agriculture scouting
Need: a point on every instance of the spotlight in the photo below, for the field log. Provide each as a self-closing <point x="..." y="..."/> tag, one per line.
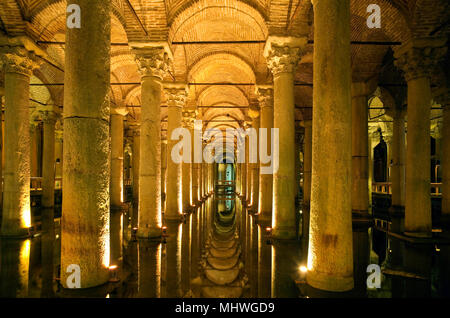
<point x="113" y="271"/>
<point x="303" y="269"/>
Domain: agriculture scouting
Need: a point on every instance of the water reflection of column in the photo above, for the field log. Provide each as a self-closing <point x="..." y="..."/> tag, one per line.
<point x="173" y="257"/>
<point x="264" y="265"/>
<point x="195" y="240"/>
<point x="15" y="264"/>
<point x="149" y="269"/>
<point x="284" y="266"/>
<point x="253" y="258"/>
<point x="186" y="255"/>
<point x="47" y="247"/>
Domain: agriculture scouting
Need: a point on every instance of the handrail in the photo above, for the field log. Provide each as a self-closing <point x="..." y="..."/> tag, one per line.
<point x="386" y="188"/>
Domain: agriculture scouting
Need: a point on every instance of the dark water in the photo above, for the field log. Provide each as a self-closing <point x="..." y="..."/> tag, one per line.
<point x="218" y="251"/>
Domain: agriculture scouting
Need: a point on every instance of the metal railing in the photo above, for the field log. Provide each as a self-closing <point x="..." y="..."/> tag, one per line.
<point x="385" y="188"/>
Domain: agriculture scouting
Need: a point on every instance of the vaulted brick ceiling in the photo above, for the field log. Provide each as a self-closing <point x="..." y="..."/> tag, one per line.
<point x="219" y="20"/>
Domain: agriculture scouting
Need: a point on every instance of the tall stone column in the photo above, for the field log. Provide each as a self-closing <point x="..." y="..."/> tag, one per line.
<point x="417" y="59"/>
<point x="444" y="100"/>
<point x="58" y="154"/>
<point x="86" y="170"/>
<point x="2" y="93"/>
<point x="282" y="54"/>
<point x="49" y="117"/>
<point x="330" y="253"/>
<point x="187" y="179"/>
<point x="164" y="172"/>
<point x="307" y="166"/>
<point x="398" y="161"/>
<point x="360" y="184"/>
<point x="196" y="174"/>
<point x="176" y="94"/>
<point x="136" y="159"/>
<point x="360" y="148"/>
<point x="265" y="98"/>
<point x="254" y="200"/>
<point x="18" y="65"/>
<point x="153" y="63"/>
<point x="117" y="153"/>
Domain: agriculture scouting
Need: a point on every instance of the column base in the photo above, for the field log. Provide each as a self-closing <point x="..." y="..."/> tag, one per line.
<point x="174" y="218"/>
<point x="329" y="283"/>
<point x="149" y="233"/>
<point x="284" y="233"/>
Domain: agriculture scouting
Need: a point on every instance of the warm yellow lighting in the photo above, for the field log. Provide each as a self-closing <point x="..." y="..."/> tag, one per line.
<point x="112" y="267"/>
<point x="303" y="269"/>
<point x="26" y="218"/>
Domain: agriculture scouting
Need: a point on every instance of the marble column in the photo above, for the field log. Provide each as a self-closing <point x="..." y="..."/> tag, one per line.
<point x="135" y="163"/>
<point x="18" y="64"/>
<point x="360" y="148"/>
<point x="117" y="153"/>
<point x="153" y="63"/>
<point x="444" y="100"/>
<point x="254" y="199"/>
<point x="282" y="54"/>
<point x="307" y="166"/>
<point x="176" y="94"/>
<point x="49" y="117"/>
<point x="188" y="123"/>
<point x="398" y="161"/>
<point x="417" y="59"/>
<point x="163" y="172"/>
<point x="330" y="253"/>
<point x="86" y="170"/>
<point x="265" y="98"/>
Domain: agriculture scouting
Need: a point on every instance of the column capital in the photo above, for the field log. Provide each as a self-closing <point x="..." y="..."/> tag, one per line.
<point x="176" y="94"/>
<point x="360" y="89"/>
<point x="417" y="57"/>
<point x="59" y="135"/>
<point x="442" y="97"/>
<point x="122" y="111"/>
<point x="264" y="95"/>
<point x="153" y="58"/>
<point x="283" y="53"/>
<point x="188" y="118"/>
<point x="20" y="55"/>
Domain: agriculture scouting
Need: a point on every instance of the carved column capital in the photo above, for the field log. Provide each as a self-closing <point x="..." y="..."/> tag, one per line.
<point x="152" y="60"/>
<point x="418" y="57"/>
<point x="16" y="59"/>
<point x="283" y="53"/>
<point x="188" y="118"/>
<point x="264" y="95"/>
<point x="59" y="135"/>
<point x="176" y="94"/>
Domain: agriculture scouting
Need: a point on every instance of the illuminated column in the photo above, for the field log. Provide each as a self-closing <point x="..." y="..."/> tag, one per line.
<point x="86" y="169"/>
<point x="398" y="162"/>
<point x="136" y="158"/>
<point x="444" y="100"/>
<point x="18" y="65"/>
<point x="188" y="123"/>
<point x="117" y="116"/>
<point x="417" y="58"/>
<point x="360" y="148"/>
<point x="265" y="98"/>
<point x="163" y="172"/>
<point x="153" y="61"/>
<point x="282" y="54"/>
<point x="176" y="98"/>
<point x="58" y="154"/>
<point x="255" y="169"/>
<point x="307" y="166"/>
<point x="244" y="168"/>
<point x="49" y="116"/>
<point x="330" y="253"/>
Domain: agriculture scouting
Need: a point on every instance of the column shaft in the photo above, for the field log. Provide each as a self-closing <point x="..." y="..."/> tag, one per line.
<point x="445" y="162"/>
<point x="398" y="161"/>
<point x="150" y="163"/>
<point x="48" y="162"/>
<point x="135" y="163"/>
<point x="86" y="169"/>
<point x="330" y="253"/>
<point x="116" y="160"/>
